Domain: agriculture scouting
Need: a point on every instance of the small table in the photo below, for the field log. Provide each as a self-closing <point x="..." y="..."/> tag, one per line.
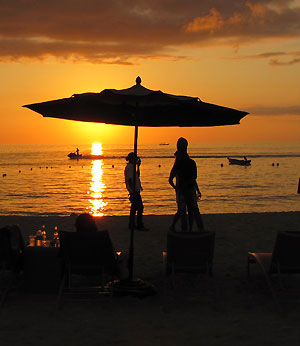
<point x="42" y="269"/>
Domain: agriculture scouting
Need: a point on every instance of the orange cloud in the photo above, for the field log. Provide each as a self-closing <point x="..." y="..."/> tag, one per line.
<point x="211" y="22"/>
<point x="257" y="10"/>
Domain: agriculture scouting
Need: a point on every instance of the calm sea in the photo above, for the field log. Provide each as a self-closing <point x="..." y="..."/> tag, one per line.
<point x="42" y="180"/>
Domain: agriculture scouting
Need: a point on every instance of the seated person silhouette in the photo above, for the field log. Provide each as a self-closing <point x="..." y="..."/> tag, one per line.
<point x="85" y="223"/>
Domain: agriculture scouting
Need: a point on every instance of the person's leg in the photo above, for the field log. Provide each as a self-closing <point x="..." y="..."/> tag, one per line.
<point x="140" y="209"/>
<point x="174" y="221"/>
<point x="182" y="211"/>
<point x="195" y="213"/>
<point x="190" y="216"/>
<point x="132" y="212"/>
<point x="176" y="216"/>
<point x="199" y="220"/>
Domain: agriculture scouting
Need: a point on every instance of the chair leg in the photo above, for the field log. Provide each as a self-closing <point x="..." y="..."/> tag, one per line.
<point x="7" y="289"/>
<point x="60" y="292"/>
<point x="173" y="276"/>
<point x="164" y="273"/>
<point x="248" y="266"/>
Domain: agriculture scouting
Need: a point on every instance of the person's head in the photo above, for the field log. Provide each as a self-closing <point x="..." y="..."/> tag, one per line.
<point x="182" y="144"/>
<point x="85" y="223"/>
<point x="130" y="158"/>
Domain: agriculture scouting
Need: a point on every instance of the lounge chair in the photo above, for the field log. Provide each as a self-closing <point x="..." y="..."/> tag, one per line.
<point x="285" y="259"/>
<point x="11" y="259"/>
<point x="86" y="255"/>
<point x="188" y="252"/>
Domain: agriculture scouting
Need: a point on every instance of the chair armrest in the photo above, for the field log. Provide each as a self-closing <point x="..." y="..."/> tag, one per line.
<point x="164" y="261"/>
<point x="263" y="259"/>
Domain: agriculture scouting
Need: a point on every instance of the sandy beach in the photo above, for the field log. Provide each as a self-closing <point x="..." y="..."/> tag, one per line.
<point x="229" y="309"/>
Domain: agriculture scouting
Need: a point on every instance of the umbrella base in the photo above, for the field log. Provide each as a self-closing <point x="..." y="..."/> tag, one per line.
<point x="136" y="287"/>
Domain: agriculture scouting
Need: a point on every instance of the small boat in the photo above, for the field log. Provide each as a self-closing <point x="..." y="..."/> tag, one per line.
<point x="163" y="143"/>
<point x="75" y="156"/>
<point x="244" y="162"/>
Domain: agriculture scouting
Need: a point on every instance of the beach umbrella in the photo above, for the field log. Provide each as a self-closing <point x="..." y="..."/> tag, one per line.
<point x="138" y="106"/>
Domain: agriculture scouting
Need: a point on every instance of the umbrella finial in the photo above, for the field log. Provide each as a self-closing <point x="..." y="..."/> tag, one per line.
<point x="138" y="80"/>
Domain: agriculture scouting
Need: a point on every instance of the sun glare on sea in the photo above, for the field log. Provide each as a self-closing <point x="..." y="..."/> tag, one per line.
<point x="97" y="187"/>
<point x="96" y="148"/>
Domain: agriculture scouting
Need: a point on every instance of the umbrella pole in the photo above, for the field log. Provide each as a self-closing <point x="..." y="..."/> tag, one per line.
<point x="135" y="287"/>
<point x="131" y="243"/>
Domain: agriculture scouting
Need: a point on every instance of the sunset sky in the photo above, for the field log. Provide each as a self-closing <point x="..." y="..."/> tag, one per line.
<point x="235" y="53"/>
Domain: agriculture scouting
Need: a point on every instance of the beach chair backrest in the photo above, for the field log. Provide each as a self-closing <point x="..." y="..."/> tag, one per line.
<point x="88" y="251"/>
<point x="192" y="251"/>
<point x="5" y="248"/>
<point x="16" y="238"/>
<point x="286" y="253"/>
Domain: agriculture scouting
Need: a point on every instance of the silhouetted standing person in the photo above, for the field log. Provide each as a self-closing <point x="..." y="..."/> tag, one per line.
<point x="135" y="198"/>
<point x="185" y="172"/>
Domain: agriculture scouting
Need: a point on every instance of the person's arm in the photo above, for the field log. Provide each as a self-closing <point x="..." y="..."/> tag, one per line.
<point x="195" y="177"/>
<point x="171" y="178"/>
<point x="138" y="162"/>
<point x="198" y="190"/>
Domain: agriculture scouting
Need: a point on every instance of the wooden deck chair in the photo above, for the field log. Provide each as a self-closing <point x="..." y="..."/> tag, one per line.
<point x="86" y="255"/>
<point x="11" y="259"/>
<point x="285" y="259"/>
<point x="188" y="253"/>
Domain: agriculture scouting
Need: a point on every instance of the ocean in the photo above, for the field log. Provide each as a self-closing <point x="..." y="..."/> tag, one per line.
<point x="40" y="180"/>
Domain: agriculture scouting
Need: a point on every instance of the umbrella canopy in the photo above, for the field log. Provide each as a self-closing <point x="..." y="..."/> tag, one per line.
<point x="138" y="106"/>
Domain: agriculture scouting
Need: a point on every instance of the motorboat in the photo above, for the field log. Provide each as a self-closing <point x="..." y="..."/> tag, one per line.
<point x="244" y="162"/>
<point x="75" y="156"/>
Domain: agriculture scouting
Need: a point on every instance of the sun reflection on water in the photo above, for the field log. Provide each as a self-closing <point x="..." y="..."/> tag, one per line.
<point x="97" y="187"/>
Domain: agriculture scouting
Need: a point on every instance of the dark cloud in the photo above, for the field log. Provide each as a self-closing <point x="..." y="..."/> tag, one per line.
<point x="119" y="31"/>
<point x="275" y="58"/>
<point x="291" y="110"/>
<point x="276" y="62"/>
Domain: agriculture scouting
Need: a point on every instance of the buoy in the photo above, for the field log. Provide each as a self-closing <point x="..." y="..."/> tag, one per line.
<point x="31" y="169"/>
<point x="277" y="164"/>
<point x="159" y="166"/>
<point x="222" y="165"/>
<point x="113" y="166"/>
<point x="273" y="164"/>
<point x="4" y="175"/>
<point x="19" y="171"/>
